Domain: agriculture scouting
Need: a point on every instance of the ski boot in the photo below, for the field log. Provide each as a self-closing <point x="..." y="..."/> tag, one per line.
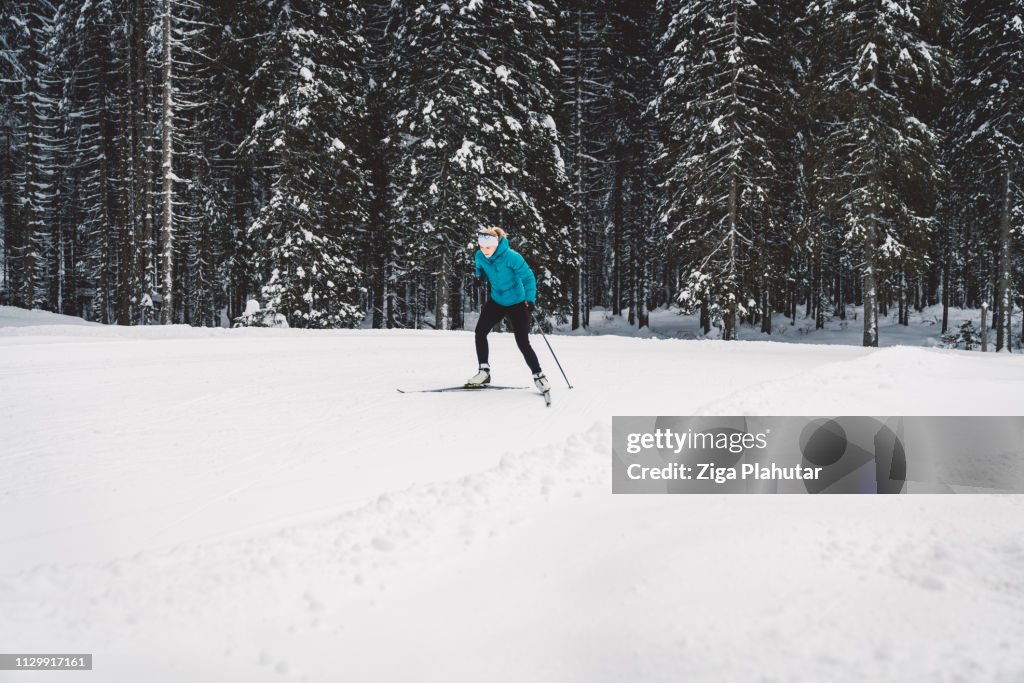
<point x="481" y="378"/>
<point x="542" y="383"/>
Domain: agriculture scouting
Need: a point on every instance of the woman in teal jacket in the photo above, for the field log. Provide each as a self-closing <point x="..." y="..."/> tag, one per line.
<point x="513" y="295"/>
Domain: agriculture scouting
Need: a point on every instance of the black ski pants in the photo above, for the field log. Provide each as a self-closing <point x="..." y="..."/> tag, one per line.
<point x="519" y="316"/>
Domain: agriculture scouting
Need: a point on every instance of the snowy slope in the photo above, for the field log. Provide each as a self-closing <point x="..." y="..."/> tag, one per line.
<point x="262" y="505"/>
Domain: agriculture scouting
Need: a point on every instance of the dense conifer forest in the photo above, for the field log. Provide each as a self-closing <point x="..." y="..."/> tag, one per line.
<point x="171" y="160"/>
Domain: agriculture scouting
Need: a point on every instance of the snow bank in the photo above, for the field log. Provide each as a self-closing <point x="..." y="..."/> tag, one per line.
<point x="262" y="505"/>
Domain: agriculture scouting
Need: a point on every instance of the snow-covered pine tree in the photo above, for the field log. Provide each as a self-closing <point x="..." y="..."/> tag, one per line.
<point x="97" y="224"/>
<point x="626" y="135"/>
<point x="587" y="35"/>
<point x="14" y="39"/>
<point x="870" y="65"/>
<point x="203" y="222"/>
<point x="309" y="91"/>
<point x="167" y="176"/>
<point x="143" y="116"/>
<point x="634" y="216"/>
<point x="543" y="217"/>
<point x="68" y="176"/>
<point x="179" y="61"/>
<point x="473" y="143"/>
<point x="207" y="196"/>
<point x="918" y="279"/>
<point x="945" y="278"/>
<point x="605" y="80"/>
<point x="808" y="244"/>
<point x="721" y="99"/>
<point x="989" y="124"/>
<point x="380" y="237"/>
<point x="233" y="184"/>
<point x="40" y="110"/>
<point x="126" y="32"/>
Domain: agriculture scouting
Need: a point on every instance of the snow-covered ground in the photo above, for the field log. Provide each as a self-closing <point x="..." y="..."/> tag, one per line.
<point x="262" y="505"/>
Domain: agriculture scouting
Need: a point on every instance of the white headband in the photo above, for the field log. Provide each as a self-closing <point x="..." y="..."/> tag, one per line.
<point x="486" y="239"/>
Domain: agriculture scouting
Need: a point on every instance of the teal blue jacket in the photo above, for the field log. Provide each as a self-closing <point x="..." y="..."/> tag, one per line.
<point x="512" y="281"/>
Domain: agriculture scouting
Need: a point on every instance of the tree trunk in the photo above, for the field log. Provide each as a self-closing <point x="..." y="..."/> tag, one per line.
<point x="730" y="304"/>
<point x="144" y="177"/>
<point x="870" y="292"/>
<point x="166" y="166"/>
<point x="840" y="291"/>
<point x="381" y="241"/>
<point x="12" y="223"/>
<point x="904" y="302"/>
<point x="617" y="210"/>
<point x="640" y="294"/>
<point x="819" y="290"/>
<point x="125" y="214"/>
<point x="391" y="301"/>
<point x="1005" y="285"/>
<point x="456" y="310"/>
<point x="984" y="327"/>
<point x="946" y="259"/>
<point x="579" y="317"/>
<point x="766" y="308"/>
<point x="442" y="314"/>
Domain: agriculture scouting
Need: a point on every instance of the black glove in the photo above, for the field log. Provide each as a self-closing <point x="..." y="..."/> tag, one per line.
<point x="479" y="280"/>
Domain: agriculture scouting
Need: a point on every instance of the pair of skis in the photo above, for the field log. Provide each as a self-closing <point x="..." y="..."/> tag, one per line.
<point x="474" y="387"/>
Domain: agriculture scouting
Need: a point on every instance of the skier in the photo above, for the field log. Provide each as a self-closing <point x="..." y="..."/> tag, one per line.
<point x="513" y="295"/>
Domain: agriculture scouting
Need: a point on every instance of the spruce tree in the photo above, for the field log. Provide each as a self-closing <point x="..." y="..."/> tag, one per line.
<point x="14" y="39"/>
<point x="722" y="95"/>
<point x="311" y="112"/>
<point x="473" y="143"/>
<point x="989" y="129"/>
<point x="871" y="64"/>
<point x="40" y="140"/>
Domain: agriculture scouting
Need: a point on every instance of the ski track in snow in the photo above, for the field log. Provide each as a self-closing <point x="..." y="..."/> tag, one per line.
<point x="689" y="607"/>
<point x="213" y="507"/>
<point x="890" y="381"/>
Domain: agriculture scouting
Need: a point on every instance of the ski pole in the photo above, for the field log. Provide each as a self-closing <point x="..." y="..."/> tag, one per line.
<point x="541" y="328"/>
